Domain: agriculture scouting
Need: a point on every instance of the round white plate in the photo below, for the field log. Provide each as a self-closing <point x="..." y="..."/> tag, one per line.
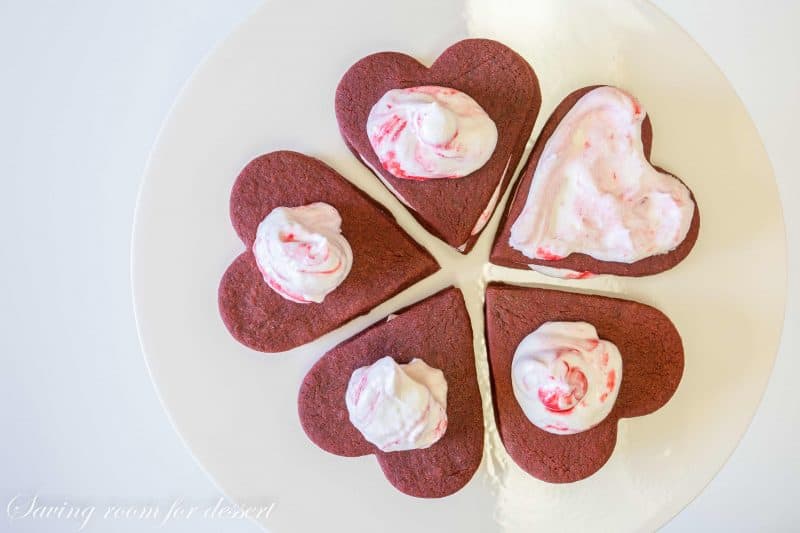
<point x="271" y="86"/>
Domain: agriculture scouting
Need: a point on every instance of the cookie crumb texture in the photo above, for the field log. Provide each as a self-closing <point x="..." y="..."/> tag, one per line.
<point x="385" y="259"/>
<point x="496" y="77"/>
<point x="438" y="331"/>
<point x="503" y="254"/>
<point x="652" y="366"/>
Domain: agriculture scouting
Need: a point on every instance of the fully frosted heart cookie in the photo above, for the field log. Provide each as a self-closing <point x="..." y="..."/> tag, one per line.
<point x="319" y="252"/>
<point x="406" y="391"/>
<point x="446" y="140"/>
<point x="590" y="202"/>
<point x="566" y="367"/>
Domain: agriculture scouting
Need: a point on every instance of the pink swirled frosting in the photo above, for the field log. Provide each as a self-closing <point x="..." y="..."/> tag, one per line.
<point x="565" y="378"/>
<point x="430" y="132"/>
<point x="594" y="192"/>
<point x="398" y="407"/>
<point x="301" y="251"/>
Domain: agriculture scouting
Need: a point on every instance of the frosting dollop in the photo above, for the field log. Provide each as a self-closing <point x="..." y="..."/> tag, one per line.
<point x="430" y="132"/>
<point x="565" y="378"/>
<point x="301" y="251"/>
<point x="398" y="407"/>
<point x="594" y="192"/>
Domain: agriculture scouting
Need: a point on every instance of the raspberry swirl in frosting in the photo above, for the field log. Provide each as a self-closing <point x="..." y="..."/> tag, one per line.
<point x="430" y="132"/>
<point x="594" y="192"/>
<point x="565" y="378"/>
<point x="301" y="251"/>
<point x="398" y="407"/>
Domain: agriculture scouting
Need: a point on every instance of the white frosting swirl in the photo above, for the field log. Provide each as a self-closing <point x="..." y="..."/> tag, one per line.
<point x="430" y="132"/>
<point x="301" y="251"/>
<point x="594" y="192"/>
<point x="398" y="407"/>
<point x="565" y="378"/>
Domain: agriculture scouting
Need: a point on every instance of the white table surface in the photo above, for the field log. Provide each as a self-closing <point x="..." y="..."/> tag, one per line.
<point x="84" y="86"/>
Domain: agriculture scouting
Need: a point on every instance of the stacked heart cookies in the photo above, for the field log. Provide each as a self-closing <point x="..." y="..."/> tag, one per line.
<point x="447" y="140"/>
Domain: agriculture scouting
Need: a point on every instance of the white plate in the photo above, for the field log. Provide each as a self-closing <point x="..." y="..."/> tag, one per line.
<point x="271" y="86"/>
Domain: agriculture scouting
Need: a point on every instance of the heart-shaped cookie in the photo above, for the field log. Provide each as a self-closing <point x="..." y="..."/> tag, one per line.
<point x="385" y="260"/>
<point x="583" y="203"/>
<point x="652" y="366"/>
<point x="497" y="78"/>
<point x="438" y="331"/>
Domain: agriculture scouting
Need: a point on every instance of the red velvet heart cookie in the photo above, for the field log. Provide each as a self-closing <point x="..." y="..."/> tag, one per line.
<point x="652" y="366"/>
<point x="497" y="78"/>
<point x="581" y="264"/>
<point x="385" y="260"/>
<point x="438" y="331"/>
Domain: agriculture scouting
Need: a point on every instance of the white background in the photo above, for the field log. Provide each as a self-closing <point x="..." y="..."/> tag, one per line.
<point x="84" y="86"/>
